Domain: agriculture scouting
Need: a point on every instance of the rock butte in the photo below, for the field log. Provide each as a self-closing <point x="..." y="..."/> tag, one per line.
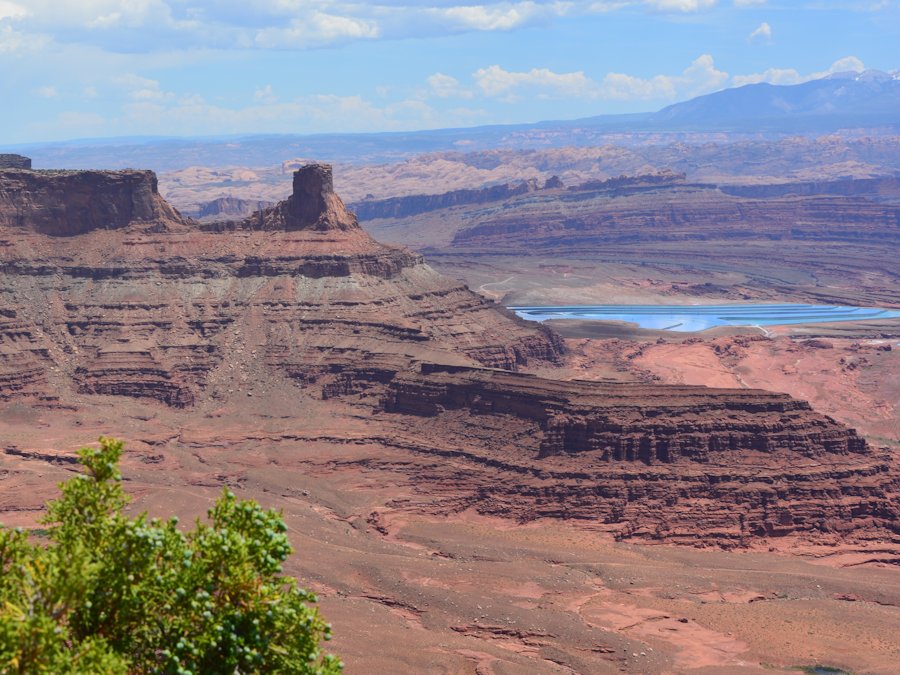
<point x="108" y="292"/>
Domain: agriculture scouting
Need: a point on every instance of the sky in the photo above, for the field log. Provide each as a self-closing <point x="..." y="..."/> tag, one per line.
<point x="100" y="68"/>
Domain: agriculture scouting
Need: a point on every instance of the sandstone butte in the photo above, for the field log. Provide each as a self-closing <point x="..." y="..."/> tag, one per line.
<point x="111" y="299"/>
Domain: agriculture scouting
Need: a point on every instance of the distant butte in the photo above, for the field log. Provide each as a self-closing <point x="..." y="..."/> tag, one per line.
<point x="111" y="299"/>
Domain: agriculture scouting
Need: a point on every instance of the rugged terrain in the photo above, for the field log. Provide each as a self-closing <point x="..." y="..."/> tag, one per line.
<point x="385" y="408"/>
<point x="826" y="242"/>
<point x="710" y="158"/>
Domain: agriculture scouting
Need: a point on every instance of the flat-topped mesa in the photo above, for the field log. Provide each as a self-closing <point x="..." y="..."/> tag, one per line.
<point x="68" y="203"/>
<point x="313" y="205"/>
<point x="14" y="162"/>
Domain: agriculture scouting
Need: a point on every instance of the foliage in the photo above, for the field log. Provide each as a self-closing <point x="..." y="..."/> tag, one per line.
<point x="113" y="594"/>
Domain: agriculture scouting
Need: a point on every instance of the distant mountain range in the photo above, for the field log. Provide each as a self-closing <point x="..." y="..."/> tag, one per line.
<point x="843" y="101"/>
<point x="867" y="99"/>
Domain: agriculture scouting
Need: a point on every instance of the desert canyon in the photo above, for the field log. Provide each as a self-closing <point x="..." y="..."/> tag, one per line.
<point x="468" y="491"/>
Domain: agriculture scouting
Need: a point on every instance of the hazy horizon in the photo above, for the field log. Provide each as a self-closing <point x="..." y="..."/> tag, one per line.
<point x="179" y="68"/>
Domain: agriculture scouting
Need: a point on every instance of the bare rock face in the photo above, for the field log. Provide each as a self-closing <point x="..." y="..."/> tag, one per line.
<point x="109" y="297"/>
<point x="230" y="207"/>
<point x="68" y="203"/>
<point x="14" y="162"/>
<point x="682" y="464"/>
<point x="403" y="207"/>
<point x="313" y="205"/>
<point x="126" y="298"/>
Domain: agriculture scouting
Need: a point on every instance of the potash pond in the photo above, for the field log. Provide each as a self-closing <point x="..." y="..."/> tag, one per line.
<point x="689" y="318"/>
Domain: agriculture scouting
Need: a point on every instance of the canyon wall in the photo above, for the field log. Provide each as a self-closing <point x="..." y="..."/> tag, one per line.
<point x="230" y="207"/>
<point x="681" y="464"/>
<point x="112" y="302"/>
<point x="14" y="162"/>
<point x="403" y="207"/>
<point x="68" y="203"/>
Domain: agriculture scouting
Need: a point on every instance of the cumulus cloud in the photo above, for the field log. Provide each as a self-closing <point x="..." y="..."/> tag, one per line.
<point x="153" y="25"/>
<point x="265" y="94"/>
<point x="318" y="29"/>
<point x="495" y="81"/>
<point x="749" y="3"/>
<point x="445" y="86"/>
<point x="700" y="77"/>
<point x="680" y="5"/>
<point x="11" y="10"/>
<point x="502" y="16"/>
<point x="762" y="33"/>
<point x="16" y="42"/>
<point x="144" y="26"/>
<point x="142" y="88"/>
<point x="792" y="76"/>
<point x="47" y="92"/>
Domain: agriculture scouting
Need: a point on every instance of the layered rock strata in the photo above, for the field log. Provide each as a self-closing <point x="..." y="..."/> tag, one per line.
<point x="14" y="162"/>
<point x="674" y="463"/>
<point x="403" y="207"/>
<point x="108" y="285"/>
<point x="67" y="203"/>
<point x="110" y="296"/>
<point x="229" y="207"/>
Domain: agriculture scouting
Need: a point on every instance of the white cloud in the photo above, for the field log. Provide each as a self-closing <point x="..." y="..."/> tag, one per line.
<point x="770" y="75"/>
<point x="792" y="76"/>
<point x="317" y="30"/>
<point x="265" y="94"/>
<point x="502" y="16"/>
<point x="99" y="14"/>
<point x="749" y="3"/>
<point x="142" y="88"/>
<point x="143" y="26"/>
<point x="700" y="77"/>
<point x="16" y="42"/>
<point x="763" y="32"/>
<point x="445" y="86"/>
<point x="846" y="64"/>
<point x="495" y="81"/>
<point x="12" y="11"/>
<point x="680" y="5"/>
<point x="46" y="92"/>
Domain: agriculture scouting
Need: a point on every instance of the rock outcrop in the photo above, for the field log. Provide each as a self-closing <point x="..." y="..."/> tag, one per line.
<point x="109" y="298"/>
<point x="68" y="203"/>
<point x="682" y="213"/>
<point x="230" y="207"/>
<point x="403" y="207"/>
<point x="127" y="298"/>
<point x="828" y="242"/>
<point x="14" y="162"/>
<point x="313" y="205"/>
<point x="670" y="463"/>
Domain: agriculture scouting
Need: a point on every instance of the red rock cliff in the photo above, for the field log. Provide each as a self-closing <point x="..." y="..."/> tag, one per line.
<point x="68" y="203"/>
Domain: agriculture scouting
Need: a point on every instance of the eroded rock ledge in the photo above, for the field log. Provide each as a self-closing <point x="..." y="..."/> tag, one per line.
<point x="109" y="295"/>
<point x="679" y="464"/>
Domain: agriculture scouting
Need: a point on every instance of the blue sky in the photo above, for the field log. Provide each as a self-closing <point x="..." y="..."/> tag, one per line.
<point x="88" y="68"/>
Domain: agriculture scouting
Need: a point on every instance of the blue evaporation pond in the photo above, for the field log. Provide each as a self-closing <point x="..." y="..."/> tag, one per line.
<point x="689" y="318"/>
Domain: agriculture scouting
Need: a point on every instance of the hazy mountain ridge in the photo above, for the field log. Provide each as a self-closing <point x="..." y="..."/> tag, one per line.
<point x="866" y="99"/>
<point x="846" y="101"/>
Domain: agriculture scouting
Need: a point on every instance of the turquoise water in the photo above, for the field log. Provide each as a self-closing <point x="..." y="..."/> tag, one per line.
<point x="689" y="318"/>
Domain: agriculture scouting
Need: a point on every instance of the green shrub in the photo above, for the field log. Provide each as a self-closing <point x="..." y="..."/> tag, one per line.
<point x="106" y="593"/>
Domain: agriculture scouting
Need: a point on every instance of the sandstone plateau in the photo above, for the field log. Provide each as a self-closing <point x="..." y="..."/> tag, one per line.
<point x="828" y="242"/>
<point x="290" y="355"/>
